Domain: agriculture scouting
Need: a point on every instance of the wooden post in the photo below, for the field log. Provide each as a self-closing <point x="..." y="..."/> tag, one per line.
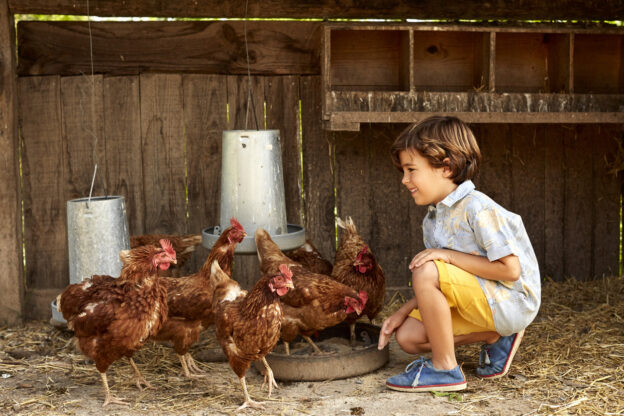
<point x="11" y="281"/>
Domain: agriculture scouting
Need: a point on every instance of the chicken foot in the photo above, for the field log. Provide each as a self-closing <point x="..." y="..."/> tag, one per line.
<point x="109" y="397"/>
<point x="189" y="368"/>
<point x="352" y="334"/>
<point x="316" y="348"/>
<point x="138" y="377"/>
<point x="268" y="377"/>
<point x="248" y="401"/>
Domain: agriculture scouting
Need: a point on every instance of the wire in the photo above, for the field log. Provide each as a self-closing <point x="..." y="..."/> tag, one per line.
<point x="249" y="93"/>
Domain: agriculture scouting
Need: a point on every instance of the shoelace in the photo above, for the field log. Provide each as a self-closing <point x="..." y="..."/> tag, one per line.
<point x="484" y="356"/>
<point x="421" y="362"/>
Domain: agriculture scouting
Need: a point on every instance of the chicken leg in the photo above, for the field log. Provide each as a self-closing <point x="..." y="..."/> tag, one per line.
<point x="352" y="334"/>
<point x="192" y="365"/>
<point x="109" y="397"/>
<point x="248" y="401"/>
<point x="189" y="367"/>
<point x="316" y="348"/>
<point x="138" y="377"/>
<point x="268" y="377"/>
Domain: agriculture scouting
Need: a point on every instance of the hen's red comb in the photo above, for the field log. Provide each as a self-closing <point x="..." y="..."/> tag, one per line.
<point x="362" y="252"/>
<point x="234" y="223"/>
<point x="166" y="244"/>
<point x="285" y="270"/>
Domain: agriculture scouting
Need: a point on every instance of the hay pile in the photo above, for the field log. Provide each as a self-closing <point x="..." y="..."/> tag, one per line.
<point x="570" y="362"/>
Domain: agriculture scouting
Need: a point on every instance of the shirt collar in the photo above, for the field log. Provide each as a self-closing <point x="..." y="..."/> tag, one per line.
<point x="461" y="191"/>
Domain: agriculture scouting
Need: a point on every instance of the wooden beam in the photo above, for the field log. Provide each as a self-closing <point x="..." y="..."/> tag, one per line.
<point x="349" y="120"/>
<point x="11" y="280"/>
<point x="128" y="48"/>
<point x="393" y="9"/>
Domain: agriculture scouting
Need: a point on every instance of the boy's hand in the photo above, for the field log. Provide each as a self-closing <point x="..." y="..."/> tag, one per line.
<point x="431" y="254"/>
<point x="388" y="327"/>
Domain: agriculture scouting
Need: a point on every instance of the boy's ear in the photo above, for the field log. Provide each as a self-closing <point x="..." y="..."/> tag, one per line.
<point x="447" y="171"/>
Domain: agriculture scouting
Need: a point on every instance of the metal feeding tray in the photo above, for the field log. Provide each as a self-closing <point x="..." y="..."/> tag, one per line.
<point x="294" y="238"/>
<point x="339" y="360"/>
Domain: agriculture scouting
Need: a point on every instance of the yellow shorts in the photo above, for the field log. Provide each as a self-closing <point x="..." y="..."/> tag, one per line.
<point x="470" y="311"/>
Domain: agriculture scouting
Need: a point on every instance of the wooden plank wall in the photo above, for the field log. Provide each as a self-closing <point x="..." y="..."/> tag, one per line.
<point x="160" y="134"/>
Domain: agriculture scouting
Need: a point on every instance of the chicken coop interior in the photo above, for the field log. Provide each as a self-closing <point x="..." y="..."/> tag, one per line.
<point x="148" y="101"/>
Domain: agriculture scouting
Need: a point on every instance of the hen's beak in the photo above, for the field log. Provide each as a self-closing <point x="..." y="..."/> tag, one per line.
<point x="290" y="284"/>
<point x="358" y="309"/>
<point x="174" y="261"/>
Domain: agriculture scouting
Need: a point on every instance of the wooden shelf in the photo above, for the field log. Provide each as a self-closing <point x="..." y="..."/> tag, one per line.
<point x="403" y="73"/>
<point x="451" y="61"/>
<point x="598" y="65"/>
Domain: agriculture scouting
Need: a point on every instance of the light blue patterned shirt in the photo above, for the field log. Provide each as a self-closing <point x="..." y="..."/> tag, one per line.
<point x="471" y="222"/>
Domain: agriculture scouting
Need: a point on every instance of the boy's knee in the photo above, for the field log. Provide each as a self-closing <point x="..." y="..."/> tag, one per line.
<point x="425" y="275"/>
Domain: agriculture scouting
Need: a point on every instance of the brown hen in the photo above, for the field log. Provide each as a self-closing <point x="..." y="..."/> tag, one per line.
<point x="356" y="266"/>
<point x="184" y="246"/>
<point x="317" y="301"/>
<point x="248" y="324"/>
<point x="113" y="317"/>
<point x="189" y="299"/>
<point x="309" y="257"/>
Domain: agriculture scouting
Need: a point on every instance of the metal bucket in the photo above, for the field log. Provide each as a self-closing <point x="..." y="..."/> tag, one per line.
<point x="252" y="182"/>
<point x="97" y="230"/>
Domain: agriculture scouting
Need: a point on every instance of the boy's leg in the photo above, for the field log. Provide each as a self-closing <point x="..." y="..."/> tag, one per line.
<point x="436" y="315"/>
<point x="412" y="337"/>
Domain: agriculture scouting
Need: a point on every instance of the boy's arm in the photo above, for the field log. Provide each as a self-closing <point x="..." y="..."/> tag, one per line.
<point x="506" y="268"/>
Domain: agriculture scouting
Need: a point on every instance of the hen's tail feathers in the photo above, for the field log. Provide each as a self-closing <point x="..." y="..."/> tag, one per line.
<point x="194" y="239"/>
<point x="347" y="225"/>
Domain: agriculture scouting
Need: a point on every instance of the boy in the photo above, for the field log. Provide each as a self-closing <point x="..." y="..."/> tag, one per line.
<point x="478" y="279"/>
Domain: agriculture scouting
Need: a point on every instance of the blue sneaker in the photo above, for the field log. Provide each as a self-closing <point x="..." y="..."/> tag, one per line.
<point x="495" y="359"/>
<point x="420" y="375"/>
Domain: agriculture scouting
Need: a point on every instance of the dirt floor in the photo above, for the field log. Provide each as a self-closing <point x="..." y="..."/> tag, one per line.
<point x="570" y="362"/>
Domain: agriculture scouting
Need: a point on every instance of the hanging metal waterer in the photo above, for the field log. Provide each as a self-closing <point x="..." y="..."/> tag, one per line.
<point x="252" y="190"/>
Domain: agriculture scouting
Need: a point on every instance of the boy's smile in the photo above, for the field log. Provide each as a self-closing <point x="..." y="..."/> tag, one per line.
<point x="428" y="185"/>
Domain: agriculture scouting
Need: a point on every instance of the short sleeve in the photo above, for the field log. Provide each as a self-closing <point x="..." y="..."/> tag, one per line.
<point x="495" y="233"/>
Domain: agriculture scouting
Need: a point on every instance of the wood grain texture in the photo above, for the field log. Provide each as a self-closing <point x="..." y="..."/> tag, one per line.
<point x="11" y="287"/>
<point x="400" y="9"/>
<point x="495" y="173"/>
<point x="124" y="159"/>
<point x="84" y="144"/>
<point x="390" y="221"/>
<point x="192" y="46"/>
<point x="163" y="153"/>
<point x="579" y="207"/>
<point x="45" y="237"/>
<point x="205" y="119"/>
<point x="318" y="170"/>
<point x="605" y="142"/>
<point x="528" y="193"/>
<point x="554" y="200"/>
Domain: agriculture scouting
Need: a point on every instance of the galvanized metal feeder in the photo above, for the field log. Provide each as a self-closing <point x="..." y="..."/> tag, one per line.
<point x="97" y="230"/>
<point x="252" y="190"/>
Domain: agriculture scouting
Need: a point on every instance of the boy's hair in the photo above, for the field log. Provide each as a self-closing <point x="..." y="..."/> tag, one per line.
<point x="437" y="138"/>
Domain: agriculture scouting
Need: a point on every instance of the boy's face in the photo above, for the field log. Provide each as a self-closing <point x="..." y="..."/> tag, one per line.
<point x="428" y="185"/>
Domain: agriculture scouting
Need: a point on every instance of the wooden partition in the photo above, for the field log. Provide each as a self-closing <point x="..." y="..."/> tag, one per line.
<point x="157" y="140"/>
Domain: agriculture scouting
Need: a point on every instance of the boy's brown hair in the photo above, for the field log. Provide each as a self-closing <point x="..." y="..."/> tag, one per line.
<point x="437" y="138"/>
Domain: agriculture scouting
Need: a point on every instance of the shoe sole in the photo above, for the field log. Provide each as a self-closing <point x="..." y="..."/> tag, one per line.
<point x="512" y="353"/>
<point x="424" y="389"/>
